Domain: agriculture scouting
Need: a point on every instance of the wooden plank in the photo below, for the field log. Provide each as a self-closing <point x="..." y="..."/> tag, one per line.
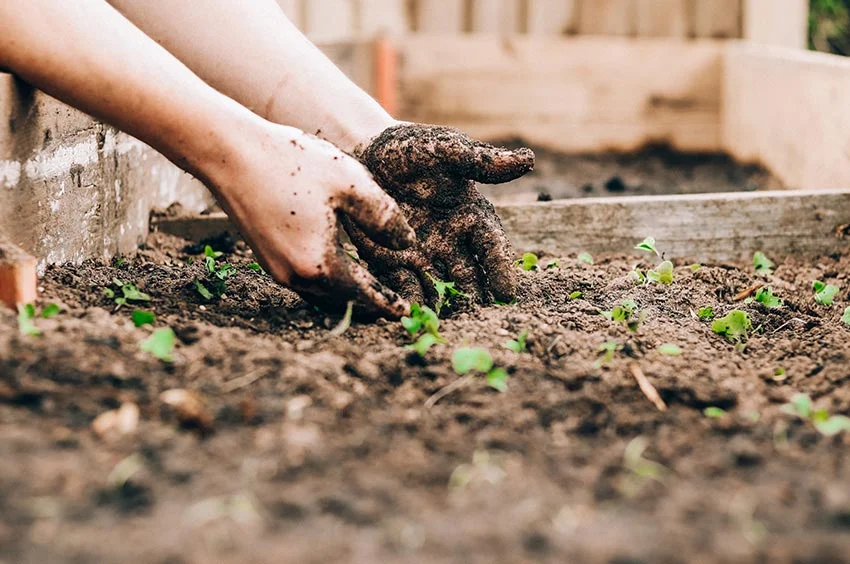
<point x="701" y="227"/>
<point x="717" y="19"/>
<point x="329" y="20"/>
<point x="439" y="16"/>
<point x="662" y="18"/>
<point x="551" y="17"/>
<point x="382" y="17"/>
<point x="18" y="278"/>
<point x="607" y="17"/>
<point x="568" y="94"/>
<point x="777" y="22"/>
<point x="786" y="108"/>
<point x="495" y="16"/>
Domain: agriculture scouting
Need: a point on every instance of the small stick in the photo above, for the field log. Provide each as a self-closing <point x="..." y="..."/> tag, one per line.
<point x="647" y="388"/>
<point x="242" y="381"/>
<point x="443" y="392"/>
<point x="748" y="292"/>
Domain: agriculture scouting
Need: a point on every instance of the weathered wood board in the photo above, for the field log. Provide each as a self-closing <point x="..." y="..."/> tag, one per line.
<point x="551" y="17"/>
<point x="702" y="227"/>
<point x="439" y="16"/>
<point x="782" y="23"/>
<point x="607" y="17"/>
<point x="718" y="19"/>
<point x="662" y="18"/>
<point x="570" y="94"/>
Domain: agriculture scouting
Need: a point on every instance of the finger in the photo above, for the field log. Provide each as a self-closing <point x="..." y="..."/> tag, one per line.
<point x="495" y="255"/>
<point x="373" y="298"/>
<point x="494" y="165"/>
<point x="374" y="211"/>
<point x="406" y="284"/>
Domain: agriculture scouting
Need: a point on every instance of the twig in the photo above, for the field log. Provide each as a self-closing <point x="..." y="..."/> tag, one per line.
<point x="743" y="295"/>
<point x="647" y="388"/>
<point x="786" y="324"/>
<point x="446" y="390"/>
<point x="242" y="381"/>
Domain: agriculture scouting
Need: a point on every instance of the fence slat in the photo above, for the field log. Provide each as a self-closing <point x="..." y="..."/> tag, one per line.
<point x="607" y="17"/>
<point x="495" y="16"/>
<point x="329" y="20"/>
<point x="776" y="22"/>
<point x="551" y="17"/>
<point x="439" y="16"/>
<point x="717" y="18"/>
<point x="378" y="17"/>
<point x="662" y="18"/>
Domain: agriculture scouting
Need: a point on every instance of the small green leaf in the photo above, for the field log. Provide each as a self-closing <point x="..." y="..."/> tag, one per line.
<point x="824" y="293"/>
<point x="846" y="317"/>
<point x="607" y="349"/>
<point x="132" y="293"/>
<point x="209" y="252"/>
<point x="714" y="412"/>
<point x="26" y="315"/>
<point x="466" y="360"/>
<point x="648" y="244"/>
<point x="762" y="264"/>
<point x="109" y="293"/>
<point x="833" y="425"/>
<point x="779" y="375"/>
<point x="706" y="312"/>
<point x="695" y="267"/>
<point x="117" y="282"/>
<point x="423" y="344"/>
<point x="519" y="345"/>
<point x="528" y="262"/>
<point x="501" y="303"/>
<point x="445" y="292"/>
<point x="141" y="318"/>
<point x="577" y="294"/>
<point x="637" y="276"/>
<point x="586" y="258"/>
<point x="735" y="326"/>
<point x="50" y="310"/>
<point x="202" y="290"/>
<point x="800" y="406"/>
<point x="497" y="378"/>
<point x="160" y="344"/>
<point x="764" y="295"/>
<point x="555" y="263"/>
<point x="256" y="267"/>
<point x="663" y="273"/>
<point x="670" y="349"/>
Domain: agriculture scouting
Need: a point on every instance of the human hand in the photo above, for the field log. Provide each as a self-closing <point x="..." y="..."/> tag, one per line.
<point x="286" y="191"/>
<point x="431" y="172"/>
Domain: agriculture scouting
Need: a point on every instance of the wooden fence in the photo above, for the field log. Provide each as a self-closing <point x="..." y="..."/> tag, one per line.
<point x="781" y="22"/>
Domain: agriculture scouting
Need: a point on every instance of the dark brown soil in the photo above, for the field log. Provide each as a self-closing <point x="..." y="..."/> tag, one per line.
<point x="655" y="170"/>
<point x="321" y="448"/>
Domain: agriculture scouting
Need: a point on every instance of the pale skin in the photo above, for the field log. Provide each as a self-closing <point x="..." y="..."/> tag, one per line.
<point x="227" y="90"/>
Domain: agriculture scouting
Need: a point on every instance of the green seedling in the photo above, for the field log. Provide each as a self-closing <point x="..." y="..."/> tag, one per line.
<point x="160" y="344"/>
<point x="637" y="276"/>
<point x="468" y="360"/>
<point x="129" y="293"/>
<point x="824" y="293"/>
<point x="714" y="412"/>
<point x="528" y="262"/>
<point x="518" y="345"/>
<point x="216" y="284"/>
<point x="828" y="425"/>
<point x="735" y="326"/>
<point x="446" y="292"/>
<point x="256" y="267"/>
<point x="762" y="264"/>
<point x="27" y="315"/>
<point x="648" y="244"/>
<point x="422" y="319"/>
<point x="608" y="350"/>
<point x="764" y="296"/>
<point x="50" y="310"/>
<point x="345" y="322"/>
<point x="424" y="343"/>
<point x="574" y="296"/>
<point x="554" y="263"/>
<point x="705" y="313"/>
<point x="627" y="314"/>
<point x="779" y="375"/>
<point x="695" y="267"/>
<point x="141" y="318"/>
<point x="640" y="468"/>
<point x="210" y="253"/>
<point x="663" y="273"/>
<point x="501" y="303"/>
<point x="846" y="317"/>
<point x="670" y="349"/>
<point x="586" y="258"/>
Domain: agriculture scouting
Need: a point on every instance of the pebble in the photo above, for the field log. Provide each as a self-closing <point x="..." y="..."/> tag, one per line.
<point x="116" y="423"/>
<point x="202" y="308"/>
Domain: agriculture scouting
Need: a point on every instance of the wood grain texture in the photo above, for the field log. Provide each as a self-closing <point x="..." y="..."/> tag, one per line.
<point x="662" y="18"/>
<point x="607" y="17"/>
<point x="787" y="109"/>
<point x="439" y="16"/>
<point x="551" y="17"/>
<point x="568" y="94"/>
<point x="495" y="16"/>
<point x="701" y="227"/>
<point x="718" y="19"/>
<point x="776" y="22"/>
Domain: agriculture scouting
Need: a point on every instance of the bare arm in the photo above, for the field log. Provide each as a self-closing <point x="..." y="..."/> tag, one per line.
<point x="253" y="53"/>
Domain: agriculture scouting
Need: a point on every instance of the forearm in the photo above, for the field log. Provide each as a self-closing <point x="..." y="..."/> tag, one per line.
<point x="86" y="54"/>
<point x="254" y="54"/>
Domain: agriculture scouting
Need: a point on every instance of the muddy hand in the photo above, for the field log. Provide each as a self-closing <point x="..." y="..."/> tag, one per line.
<point x="431" y="172"/>
<point x="287" y="195"/>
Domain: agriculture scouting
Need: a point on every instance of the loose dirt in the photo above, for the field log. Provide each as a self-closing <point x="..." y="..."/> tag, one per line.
<point x="319" y="448"/>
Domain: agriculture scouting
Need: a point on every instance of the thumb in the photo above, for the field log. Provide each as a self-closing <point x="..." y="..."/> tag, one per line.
<point x="376" y="213"/>
<point x="495" y="165"/>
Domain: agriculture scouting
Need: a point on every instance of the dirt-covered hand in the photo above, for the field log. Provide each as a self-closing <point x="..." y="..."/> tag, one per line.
<point x="287" y="191"/>
<point x="431" y="171"/>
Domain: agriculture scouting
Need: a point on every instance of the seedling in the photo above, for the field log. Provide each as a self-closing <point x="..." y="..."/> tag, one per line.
<point x="216" y="285"/>
<point x="256" y="268"/>
<point x="586" y="258"/>
<point x="627" y="314"/>
<point x="50" y="310"/>
<point x="764" y="296"/>
<point x="501" y="303"/>
<point x="714" y="412"/>
<point x="142" y="318"/>
<point x="637" y="276"/>
<point x="762" y="264"/>
<point x="641" y="469"/>
<point x="554" y="263"/>
<point x="779" y="375"/>
<point x="210" y="253"/>
<point x="424" y="343"/>
<point x="648" y="244"/>
<point x="528" y="262"/>
<point x="735" y="326"/>
<point x="160" y="344"/>
<point x="574" y="296"/>
<point x="345" y="322"/>
<point x="663" y="273"/>
<point x="706" y="312"/>
<point x="446" y="291"/>
<point x="27" y="315"/>
<point x="670" y="349"/>
<point x="468" y="360"/>
<point x="826" y="424"/>
<point x="846" y="317"/>
<point x="695" y="267"/>
<point x="423" y="321"/>
<point x="607" y="349"/>
<point x="518" y="345"/>
<point x="824" y="293"/>
<point x="129" y="293"/>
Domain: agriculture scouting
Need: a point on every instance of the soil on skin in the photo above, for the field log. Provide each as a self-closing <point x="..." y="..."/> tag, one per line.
<point x="654" y="170"/>
<point x="321" y="448"/>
